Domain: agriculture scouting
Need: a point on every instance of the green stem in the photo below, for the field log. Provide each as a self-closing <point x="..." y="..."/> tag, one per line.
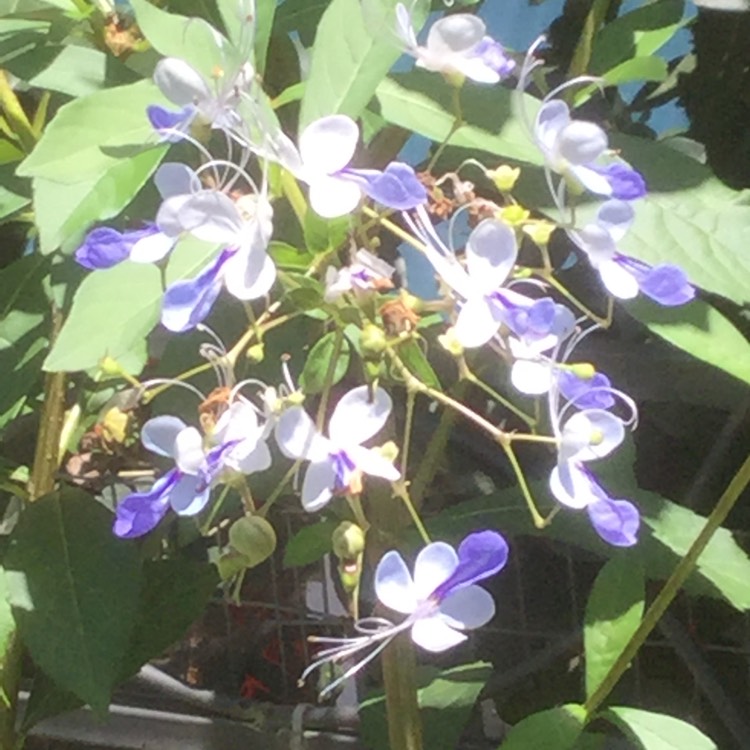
<point x="294" y="195"/>
<point x="492" y="393"/>
<point x="402" y="707"/>
<point x="457" y="123"/>
<point x="402" y="492"/>
<point x="328" y="382"/>
<point x="15" y="114"/>
<point x="670" y="589"/>
<point x="539" y="521"/>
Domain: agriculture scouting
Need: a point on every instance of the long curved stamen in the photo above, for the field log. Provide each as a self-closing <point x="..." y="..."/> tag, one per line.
<point x="235" y="167"/>
<point x="204" y="152"/>
<point x="631" y="421"/>
<point x="148" y="384"/>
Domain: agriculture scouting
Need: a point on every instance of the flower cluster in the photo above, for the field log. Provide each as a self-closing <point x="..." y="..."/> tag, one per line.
<point x="490" y="297"/>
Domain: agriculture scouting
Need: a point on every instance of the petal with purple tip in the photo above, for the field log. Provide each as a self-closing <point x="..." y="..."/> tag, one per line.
<point x="615" y="521"/>
<point x="668" y="285"/>
<point x="141" y="512"/>
<point x="102" y="248"/>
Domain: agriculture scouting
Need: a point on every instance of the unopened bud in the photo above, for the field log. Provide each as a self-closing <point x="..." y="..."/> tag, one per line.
<point x="504" y="177"/>
<point x="540" y="231"/>
<point x="254" y="538"/>
<point x="450" y="343"/>
<point x="348" y="541"/>
<point x="255" y="353"/>
<point x="110" y="366"/>
<point x="513" y="215"/>
<point x="389" y="451"/>
<point x="373" y="341"/>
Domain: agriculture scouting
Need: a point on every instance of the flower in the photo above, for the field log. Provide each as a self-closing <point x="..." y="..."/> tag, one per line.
<point x="326" y="147"/>
<point x="622" y="275"/>
<point x="456" y="46"/>
<point x="185" y="87"/>
<point x="243" y="266"/>
<point x="337" y="462"/>
<point x="237" y="445"/>
<point x="586" y="436"/>
<point x="442" y="599"/>
<point x="368" y="272"/>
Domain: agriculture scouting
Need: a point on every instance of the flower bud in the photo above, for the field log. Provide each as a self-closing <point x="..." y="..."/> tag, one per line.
<point x="583" y="370"/>
<point x="373" y="341"/>
<point x="504" y="177"/>
<point x="348" y="541"/>
<point x="255" y="353"/>
<point x="513" y="215"/>
<point x="450" y="343"/>
<point x="110" y="366"/>
<point x="254" y="538"/>
<point x="540" y="231"/>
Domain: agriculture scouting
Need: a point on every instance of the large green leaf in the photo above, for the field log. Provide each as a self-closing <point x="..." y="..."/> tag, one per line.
<point x="446" y="699"/>
<point x="64" y="212"/>
<point x="699" y="329"/>
<point x="553" y="729"/>
<point x="355" y="46"/>
<point x="314" y="375"/>
<point x="309" y="544"/>
<point x="191" y="39"/>
<point x="74" y="588"/>
<point x="112" y="313"/>
<point x="421" y="102"/>
<point x="654" y="731"/>
<point x="613" y="612"/>
<point x="91" y="135"/>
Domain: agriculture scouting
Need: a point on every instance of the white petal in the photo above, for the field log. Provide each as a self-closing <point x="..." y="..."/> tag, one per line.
<point x="249" y="275"/>
<point x="152" y="248"/>
<point x="258" y="459"/>
<point x="394" y="586"/>
<point x="168" y="215"/>
<point x="297" y="436"/>
<point x="179" y="82"/>
<point x="477" y="322"/>
<point x="160" y="433"/>
<point x="331" y="197"/>
<point x="467" y="608"/>
<point x="188" y="450"/>
<point x="433" y="634"/>
<point x="238" y="422"/>
<point x="616" y="217"/>
<point x="174" y="178"/>
<point x="456" y="33"/>
<point x="211" y="216"/>
<point x="327" y="145"/>
<point x="356" y="418"/>
<point x="591" y="180"/>
<point x="532" y="378"/>
<point x="590" y="434"/>
<point x="596" y="241"/>
<point x="184" y="499"/>
<point x="475" y="68"/>
<point x="581" y="142"/>
<point x="619" y="281"/>
<point x="373" y="463"/>
<point x="571" y="486"/>
<point x="434" y="565"/>
<point x="553" y="116"/>
<point x="491" y="253"/>
<point x="317" y="487"/>
<point x="404" y="27"/>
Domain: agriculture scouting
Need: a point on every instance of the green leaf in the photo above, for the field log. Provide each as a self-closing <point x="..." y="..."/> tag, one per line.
<point x="309" y="544"/>
<point x="446" y="699"/>
<point x="191" y="39"/>
<point x="74" y="589"/>
<point x="286" y="256"/>
<point x="323" y="235"/>
<point x="414" y="358"/>
<point x="113" y="312"/>
<point x="421" y="102"/>
<point x="14" y="193"/>
<point x="553" y="729"/>
<point x="313" y="377"/>
<point x="64" y="212"/>
<point x="613" y="612"/>
<point x="91" y="135"/>
<point x="654" y="731"/>
<point x="699" y="329"/>
<point x="7" y="624"/>
<point x="353" y="52"/>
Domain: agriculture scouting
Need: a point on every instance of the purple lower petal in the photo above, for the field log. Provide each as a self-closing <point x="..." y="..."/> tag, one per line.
<point x="493" y="56"/>
<point x="480" y="556"/>
<point x="616" y="521"/>
<point x="102" y="248"/>
<point x="627" y="184"/>
<point x="187" y="303"/>
<point x="591" y="393"/>
<point x="668" y="285"/>
<point x="396" y="187"/>
<point x="140" y="512"/>
<point x="163" y="119"/>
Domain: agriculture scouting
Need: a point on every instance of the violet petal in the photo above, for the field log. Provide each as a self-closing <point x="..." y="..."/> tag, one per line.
<point x="615" y="521"/>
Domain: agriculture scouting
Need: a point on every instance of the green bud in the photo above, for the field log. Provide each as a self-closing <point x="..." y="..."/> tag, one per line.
<point x="255" y="353"/>
<point x="254" y="538"/>
<point x="583" y="370"/>
<point x="110" y="366"/>
<point x="373" y="341"/>
<point x="348" y="540"/>
<point x="350" y="571"/>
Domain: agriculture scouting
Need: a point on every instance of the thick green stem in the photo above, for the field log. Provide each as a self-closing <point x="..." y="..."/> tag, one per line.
<point x="402" y="707"/>
<point x="15" y="114"/>
<point x="674" y="583"/>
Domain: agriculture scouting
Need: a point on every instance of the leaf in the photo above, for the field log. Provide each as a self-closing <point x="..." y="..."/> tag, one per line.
<point x="288" y="257"/>
<point x="89" y="136"/>
<point x="446" y="699"/>
<point x="113" y="311"/>
<point x="613" y="613"/>
<point x="553" y="729"/>
<point x="309" y="544"/>
<point x="314" y="374"/>
<point x="654" y="731"/>
<point x="323" y="235"/>
<point x="417" y="363"/>
<point x="74" y="589"/>
<point x="191" y="39"/>
<point x="7" y="627"/>
<point x="420" y="102"/>
<point x="700" y="330"/>
<point x="353" y="52"/>
<point x="64" y="212"/>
